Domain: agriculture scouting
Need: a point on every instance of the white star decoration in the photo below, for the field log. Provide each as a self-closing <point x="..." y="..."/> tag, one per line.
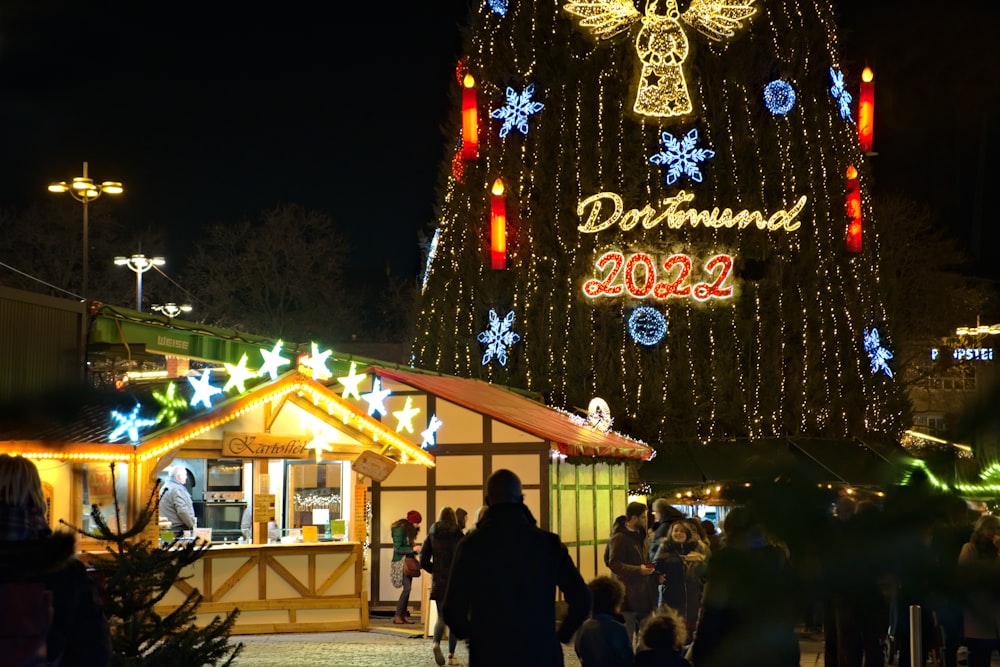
<point x="204" y="390"/>
<point x="238" y="375"/>
<point x="273" y="360"/>
<point x="430" y="433"/>
<point x="319" y="445"/>
<point x="317" y="362"/>
<point x="351" y="382"/>
<point x="376" y="397"/>
<point x="406" y="415"/>
<point x="130" y="423"/>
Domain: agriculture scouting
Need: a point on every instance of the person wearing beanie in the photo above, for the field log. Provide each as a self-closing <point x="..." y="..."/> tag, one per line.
<point x="404" y="538"/>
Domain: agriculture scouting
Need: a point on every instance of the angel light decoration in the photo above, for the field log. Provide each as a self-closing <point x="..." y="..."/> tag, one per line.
<point x="661" y="43"/>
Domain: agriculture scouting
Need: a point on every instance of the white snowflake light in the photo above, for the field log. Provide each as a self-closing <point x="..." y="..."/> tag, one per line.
<point x="130" y="423"/>
<point x="877" y="355"/>
<point x="682" y="156"/>
<point x="840" y="94"/>
<point x="515" y="113"/>
<point x="498" y="337"/>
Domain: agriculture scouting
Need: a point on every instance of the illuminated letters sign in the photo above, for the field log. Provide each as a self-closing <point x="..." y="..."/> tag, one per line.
<point x="590" y="210"/>
<point x="638" y="278"/>
<point x="966" y="354"/>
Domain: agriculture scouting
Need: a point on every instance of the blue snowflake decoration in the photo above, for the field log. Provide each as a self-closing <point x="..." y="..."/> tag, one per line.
<point x="130" y="424"/>
<point x="647" y="326"/>
<point x="840" y="94"/>
<point x="498" y="6"/>
<point x="682" y="156"/>
<point x="877" y="355"/>
<point x="498" y="337"/>
<point x="779" y="97"/>
<point x="515" y="113"/>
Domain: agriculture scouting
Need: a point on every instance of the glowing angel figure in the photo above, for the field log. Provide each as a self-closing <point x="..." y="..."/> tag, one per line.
<point x="661" y="43"/>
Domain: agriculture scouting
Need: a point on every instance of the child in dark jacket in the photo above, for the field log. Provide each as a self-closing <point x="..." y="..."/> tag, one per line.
<point x="662" y="636"/>
<point x="602" y="640"/>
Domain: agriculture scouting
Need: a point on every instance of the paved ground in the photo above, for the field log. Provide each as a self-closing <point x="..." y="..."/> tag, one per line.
<point x="387" y="646"/>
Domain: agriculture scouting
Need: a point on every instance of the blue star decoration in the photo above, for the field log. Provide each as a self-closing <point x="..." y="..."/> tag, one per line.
<point x="376" y="398"/>
<point x="204" y="390"/>
<point x="779" y="97"/>
<point x="429" y="434"/>
<point x="498" y="6"/>
<point x="130" y="424"/>
<point x="681" y="156"/>
<point x="877" y="355"/>
<point x="515" y="113"/>
<point x="840" y="94"/>
<point x="498" y="337"/>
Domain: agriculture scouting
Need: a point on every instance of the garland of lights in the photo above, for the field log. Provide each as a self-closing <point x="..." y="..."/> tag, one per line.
<point x="647" y="326"/>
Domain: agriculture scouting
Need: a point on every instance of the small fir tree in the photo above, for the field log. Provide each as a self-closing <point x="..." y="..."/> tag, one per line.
<point x="135" y="577"/>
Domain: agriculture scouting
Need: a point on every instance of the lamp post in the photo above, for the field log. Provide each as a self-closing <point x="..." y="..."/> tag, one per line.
<point x="139" y="264"/>
<point x="84" y="190"/>
<point x="171" y="309"/>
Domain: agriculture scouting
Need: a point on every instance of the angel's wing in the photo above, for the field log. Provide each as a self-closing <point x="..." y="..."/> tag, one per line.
<point x="718" y="19"/>
<point x="603" y="18"/>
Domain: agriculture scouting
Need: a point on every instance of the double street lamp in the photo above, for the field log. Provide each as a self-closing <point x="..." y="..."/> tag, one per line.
<point x="139" y="264"/>
<point x="85" y="190"/>
<point x="171" y="309"/>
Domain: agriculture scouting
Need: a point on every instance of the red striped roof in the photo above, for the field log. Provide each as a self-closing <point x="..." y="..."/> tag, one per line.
<point x="568" y="437"/>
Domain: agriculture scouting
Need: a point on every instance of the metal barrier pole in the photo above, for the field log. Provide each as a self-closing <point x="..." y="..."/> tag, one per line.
<point x="916" y="639"/>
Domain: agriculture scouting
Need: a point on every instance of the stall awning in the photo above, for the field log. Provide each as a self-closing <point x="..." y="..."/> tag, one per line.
<point x="568" y="437"/>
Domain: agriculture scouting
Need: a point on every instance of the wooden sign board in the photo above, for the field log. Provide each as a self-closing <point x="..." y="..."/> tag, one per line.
<point x="374" y="465"/>
<point x="263" y="507"/>
<point x="265" y="446"/>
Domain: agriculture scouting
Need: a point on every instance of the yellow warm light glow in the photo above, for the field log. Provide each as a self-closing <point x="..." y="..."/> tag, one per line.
<point x="867" y="75"/>
<point x="58" y="187"/>
<point x="649" y="217"/>
<point x="81" y="183"/>
<point x="497" y="187"/>
<point x="112" y="187"/>
<point x="468" y="81"/>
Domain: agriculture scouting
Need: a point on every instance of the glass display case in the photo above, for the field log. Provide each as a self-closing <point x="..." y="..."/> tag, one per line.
<point x="314" y="495"/>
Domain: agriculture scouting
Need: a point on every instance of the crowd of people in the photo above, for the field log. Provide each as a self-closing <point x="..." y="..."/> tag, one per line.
<point x="680" y="593"/>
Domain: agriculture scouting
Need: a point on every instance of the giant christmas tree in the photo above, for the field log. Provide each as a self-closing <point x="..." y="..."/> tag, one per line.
<point x="672" y="180"/>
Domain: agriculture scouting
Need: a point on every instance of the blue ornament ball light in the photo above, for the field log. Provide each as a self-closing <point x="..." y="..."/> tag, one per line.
<point x="647" y="326"/>
<point x="779" y="97"/>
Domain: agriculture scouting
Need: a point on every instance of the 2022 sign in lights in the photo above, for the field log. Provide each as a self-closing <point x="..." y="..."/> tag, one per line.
<point x="674" y="285"/>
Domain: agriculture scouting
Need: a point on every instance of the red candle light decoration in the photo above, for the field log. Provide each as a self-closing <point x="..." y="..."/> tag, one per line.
<point x="854" y="225"/>
<point x="866" y="110"/>
<point x="470" y="119"/>
<point x="498" y="227"/>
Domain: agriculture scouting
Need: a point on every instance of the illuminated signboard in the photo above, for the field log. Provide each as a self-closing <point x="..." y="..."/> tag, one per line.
<point x="966" y="354"/>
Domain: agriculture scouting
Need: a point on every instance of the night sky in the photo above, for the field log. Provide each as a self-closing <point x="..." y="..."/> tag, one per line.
<point x="211" y="115"/>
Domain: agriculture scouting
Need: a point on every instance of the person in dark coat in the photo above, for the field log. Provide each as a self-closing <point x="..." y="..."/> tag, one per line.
<point x="603" y="640"/>
<point x="749" y="604"/>
<point x="630" y="564"/>
<point x="31" y="553"/>
<point x="436" y="557"/>
<point x="502" y="589"/>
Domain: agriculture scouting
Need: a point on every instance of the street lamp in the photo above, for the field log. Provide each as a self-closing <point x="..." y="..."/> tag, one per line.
<point x="139" y="264"/>
<point x="84" y="190"/>
<point x="171" y="309"/>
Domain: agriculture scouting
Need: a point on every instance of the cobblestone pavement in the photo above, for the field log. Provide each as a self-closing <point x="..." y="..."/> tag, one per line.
<point x="387" y="646"/>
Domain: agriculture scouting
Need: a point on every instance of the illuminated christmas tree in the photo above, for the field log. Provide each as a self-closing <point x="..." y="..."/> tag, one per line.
<point x="664" y="209"/>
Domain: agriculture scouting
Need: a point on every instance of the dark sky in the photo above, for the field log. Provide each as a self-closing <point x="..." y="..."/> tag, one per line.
<point x="211" y="115"/>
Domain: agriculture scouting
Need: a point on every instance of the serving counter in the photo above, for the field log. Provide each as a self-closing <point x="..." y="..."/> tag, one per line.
<point x="278" y="587"/>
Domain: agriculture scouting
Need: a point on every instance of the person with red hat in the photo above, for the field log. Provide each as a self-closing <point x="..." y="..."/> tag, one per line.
<point x="404" y="538"/>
